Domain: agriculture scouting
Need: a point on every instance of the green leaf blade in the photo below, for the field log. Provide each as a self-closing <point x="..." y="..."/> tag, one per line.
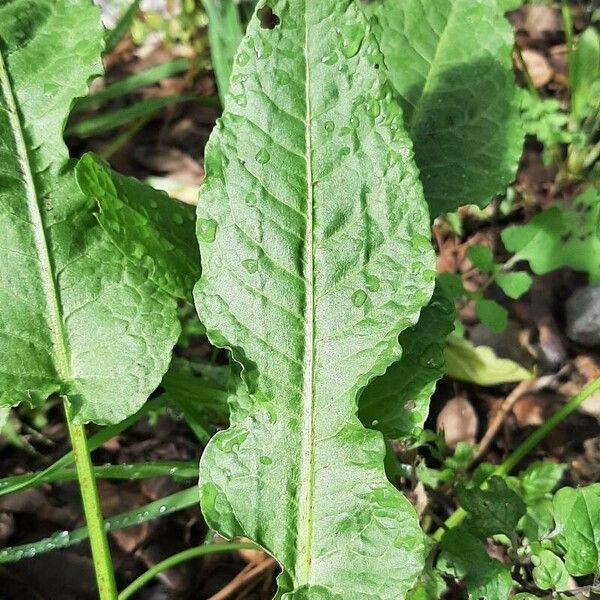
<point x="76" y="317"/>
<point x="450" y="62"/>
<point x="314" y="259"/>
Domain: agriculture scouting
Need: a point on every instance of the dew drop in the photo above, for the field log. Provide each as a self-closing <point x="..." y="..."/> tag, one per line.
<point x="373" y="283"/>
<point x="162" y="509"/>
<point x="330" y="59"/>
<point x="345" y="151"/>
<point x="444" y="305"/>
<point x="207" y="230"/>
<point x="329" y="126"/>
<point x="153" y="204"/>
<point x="243" y="58"/>
<point x="359" y="298"/>
<point x="351" y="40"/>
<point x="432" y="357"/>
<point x="265" y="460"/>
<point x="282" y="77"/>
<point x="240" y="99"/>
<point x="354" y="122"/>
<point x="250" y="265"/>
<point x="137" y="251"/>
<point x="410" y="405"/>
<point x="420" y="243"/>
<point x="251" y="199"/>
<point x="263" y="156"/>
<point x="178" y="218"/>
<point x="373" y="108"/>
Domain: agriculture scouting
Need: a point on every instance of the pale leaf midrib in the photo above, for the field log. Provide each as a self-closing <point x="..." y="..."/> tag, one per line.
<point x="46" y="269"/>
<point x="307" y="468"/>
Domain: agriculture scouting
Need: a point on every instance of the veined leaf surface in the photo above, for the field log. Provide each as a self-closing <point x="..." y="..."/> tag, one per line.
<point x="314" y="238"/>
<point x="450" y="63"/>
<point x="77" y="316"/>
<point x="397" y="403"/>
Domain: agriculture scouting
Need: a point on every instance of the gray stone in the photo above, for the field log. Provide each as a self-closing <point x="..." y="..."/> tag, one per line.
<point x="583" y="316"/>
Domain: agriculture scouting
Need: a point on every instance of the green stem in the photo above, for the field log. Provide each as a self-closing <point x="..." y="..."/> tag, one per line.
<point x="105" y="575"/>
<point x="176" y="559"/>
<point x="10" y="486"/>
<point x="568" y="23"/>
<point x="526" y="447"/>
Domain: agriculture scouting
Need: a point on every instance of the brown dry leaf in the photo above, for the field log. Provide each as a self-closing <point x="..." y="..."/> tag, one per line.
<point x="458" y="421"/>
<point x="538" y="66"/>
<point x="542" y="22"/>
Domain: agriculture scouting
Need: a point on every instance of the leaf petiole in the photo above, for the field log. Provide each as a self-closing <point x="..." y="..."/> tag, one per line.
<point x="105" y="576"/>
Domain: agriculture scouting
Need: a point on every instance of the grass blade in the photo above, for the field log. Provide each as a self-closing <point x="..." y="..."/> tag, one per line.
<point x="115" y="35"/>
<point x="63" y="539"/>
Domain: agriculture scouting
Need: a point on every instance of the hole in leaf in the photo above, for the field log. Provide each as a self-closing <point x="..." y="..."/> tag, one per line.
<point x="268" y="19"/>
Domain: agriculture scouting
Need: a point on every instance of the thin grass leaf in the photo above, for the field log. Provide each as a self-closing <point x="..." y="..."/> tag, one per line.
<point x="120" y="30"/>
<point x="63" y="539"/>
<point x="132" y="83"/>
<point x="116" y="118"/>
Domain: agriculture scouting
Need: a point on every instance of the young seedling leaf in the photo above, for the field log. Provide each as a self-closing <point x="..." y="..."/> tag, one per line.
<point x="76" y="316"/>
<point x="493" y="315"/>
<point x="397" y="403"/>
<point x="464" y="557"/>
<point x="549" y="572"/>
<point x="558" y="237"/>
<point x="577" y="516"/>
<point x="147" y="226"/>
<point x="482" y="257"/>
<point x="314" y="238"/>
<point x="493" y="510"/>
<point x="450" y="63"/>
<point x="514" y="285"/>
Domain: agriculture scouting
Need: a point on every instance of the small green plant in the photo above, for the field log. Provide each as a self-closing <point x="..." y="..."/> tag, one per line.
<point x="345" y="129"/>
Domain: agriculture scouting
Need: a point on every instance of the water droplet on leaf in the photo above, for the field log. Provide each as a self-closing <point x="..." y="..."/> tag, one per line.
<point x="330" y="59"/>
<point x="432" y="357"/>
<point x="351" y="40"/>
<point x="329" y="126"/>
<point x="251" y="199"/>
<point x="373" y="283"/>
<point x="243" y="58"/>
<point x="359" y="298"/>
<point x="263" y="156"/>
<point x="207" y="230"/>
<point x="250" y="265"/>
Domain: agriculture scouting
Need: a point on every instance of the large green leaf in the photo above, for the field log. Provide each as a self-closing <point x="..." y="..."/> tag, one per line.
<point x="577" y="516"/>
<point x="314" y="238"/>
<point x="450" y="63"/>
<point x="77" y="317"/>
<point x="397" y="403"/>
<point x="145" y="225"/>
<point x="464" y="557"/>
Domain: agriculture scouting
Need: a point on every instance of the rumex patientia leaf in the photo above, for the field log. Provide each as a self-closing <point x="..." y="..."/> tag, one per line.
<point x="314" y="237"/>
